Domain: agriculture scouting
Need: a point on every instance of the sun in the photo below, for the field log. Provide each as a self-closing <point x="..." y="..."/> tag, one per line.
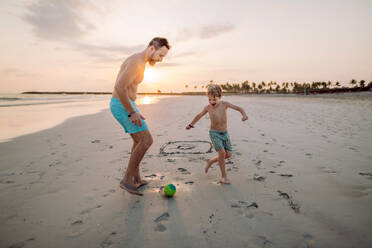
<point x="150" y="75"/>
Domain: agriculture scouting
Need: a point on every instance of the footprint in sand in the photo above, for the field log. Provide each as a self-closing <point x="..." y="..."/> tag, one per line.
<point x="54" y="163"/>
<point x="7" y="182"/>
<point x="368" y="174"/>
<point x="292" y="203"/>
<point x="87" y="211"/>
<point x="159" y="226"/>
<point x="183" y="171"/>
<point x="258" y="162"/>
<point x="107" y="242"/>
<point x="308" y="241"/>
<point x="264" y="242"/>
<point x="109" y="193"/>
<point x="244" y="204"/>
<point x="286" y="175"/>
<point x="259" y="178"/>
<point x="78" y="222"/>
<point x="21" y="244"/>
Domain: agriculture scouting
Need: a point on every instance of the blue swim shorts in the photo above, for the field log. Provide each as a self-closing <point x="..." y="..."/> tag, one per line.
<point x="220" y="139"/>
<point x="121" y="115"/>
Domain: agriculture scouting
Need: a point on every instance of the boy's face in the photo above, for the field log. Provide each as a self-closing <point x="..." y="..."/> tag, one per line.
<point x="213" y="100"/>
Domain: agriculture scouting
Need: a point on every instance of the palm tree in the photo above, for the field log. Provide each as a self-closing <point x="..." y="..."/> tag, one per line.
<point x="277" y="89"/>
<point x="353" y="82"/>
<point x="362" y="83"/>
<point x="254" y="87"/>
<point x="246" y="87"/>
<point x="259" y="87"/>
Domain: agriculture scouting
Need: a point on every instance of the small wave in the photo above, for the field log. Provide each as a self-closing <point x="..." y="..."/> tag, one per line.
<point x="10" y="98"/>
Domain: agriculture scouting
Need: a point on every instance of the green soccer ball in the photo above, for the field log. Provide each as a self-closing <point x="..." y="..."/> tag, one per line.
<point x="169" y="190"/>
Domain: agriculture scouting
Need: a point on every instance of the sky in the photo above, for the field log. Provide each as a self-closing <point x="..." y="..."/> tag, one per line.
<point x="79" y="45"/>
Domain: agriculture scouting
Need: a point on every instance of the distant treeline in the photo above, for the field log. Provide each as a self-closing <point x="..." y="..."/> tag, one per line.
<point x="293" y="87"/>
<point x="252" y="88"/>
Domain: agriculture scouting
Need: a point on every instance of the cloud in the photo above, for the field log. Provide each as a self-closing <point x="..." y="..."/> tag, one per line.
<point x="17" y="73"/>
<point x="210" y="31"/>
<point x="184" y="54"/>
<point x="59" y="19"/>
<point x="164" y="64"/>
<point x="107" y="53"/>
<point x="204" y="32"/>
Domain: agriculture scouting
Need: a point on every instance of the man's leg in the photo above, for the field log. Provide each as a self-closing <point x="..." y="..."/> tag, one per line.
<point x="141" y="143"/>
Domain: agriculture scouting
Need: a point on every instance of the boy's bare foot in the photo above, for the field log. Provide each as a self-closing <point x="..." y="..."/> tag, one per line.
<point x="130" y="188"/>
<point x="209" y="164"/>
<point x="225" y="181"/>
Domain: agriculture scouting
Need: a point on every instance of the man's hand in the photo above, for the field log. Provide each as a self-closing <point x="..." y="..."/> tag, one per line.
<point x="245" y="118"/>
<point x="136" y="119"/>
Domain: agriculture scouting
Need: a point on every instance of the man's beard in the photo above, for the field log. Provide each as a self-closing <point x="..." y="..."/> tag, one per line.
<point x="151" y="61"/>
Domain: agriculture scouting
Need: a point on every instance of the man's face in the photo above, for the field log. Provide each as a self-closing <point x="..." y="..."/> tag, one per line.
<point x="157" y="55"/>
<point x="213" y="100"/>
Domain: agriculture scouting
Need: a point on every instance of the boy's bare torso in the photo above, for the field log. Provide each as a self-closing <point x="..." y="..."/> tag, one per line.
<point x="217" y="115"/>
<point x="138" y="77"/>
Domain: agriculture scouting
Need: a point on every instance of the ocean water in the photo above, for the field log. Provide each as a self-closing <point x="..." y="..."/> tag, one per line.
<point x="22" y="114"/>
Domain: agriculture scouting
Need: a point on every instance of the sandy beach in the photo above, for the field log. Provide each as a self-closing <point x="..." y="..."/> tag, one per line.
<point x="301" y="175"/>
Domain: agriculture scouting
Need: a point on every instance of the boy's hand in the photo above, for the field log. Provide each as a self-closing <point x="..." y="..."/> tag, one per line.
<point x="245" y="118"/>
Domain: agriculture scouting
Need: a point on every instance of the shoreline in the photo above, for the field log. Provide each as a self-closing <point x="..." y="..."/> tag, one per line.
<point x="317" y="93"/>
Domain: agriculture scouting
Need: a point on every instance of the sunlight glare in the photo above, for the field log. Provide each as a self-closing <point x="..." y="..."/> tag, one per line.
<point x="150" y="75"/>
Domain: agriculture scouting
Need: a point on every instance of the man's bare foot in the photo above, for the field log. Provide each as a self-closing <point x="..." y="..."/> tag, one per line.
<point x="130" y="188"/>
<point x="209" y="164"/>
<point x="225" y="181"/>
<point x="142" y="183"/>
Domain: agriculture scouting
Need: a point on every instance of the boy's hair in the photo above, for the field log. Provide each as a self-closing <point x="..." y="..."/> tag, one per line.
<point x="214" y="90"/>
<point x="159" y="42"/>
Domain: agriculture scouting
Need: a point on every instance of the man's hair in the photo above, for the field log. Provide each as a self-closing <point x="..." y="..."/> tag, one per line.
<point x="214" y="90"/>
<point x="159" y="42"/>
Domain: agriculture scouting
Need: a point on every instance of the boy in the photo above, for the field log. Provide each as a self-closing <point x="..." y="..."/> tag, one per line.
<point x="218" y="130"/>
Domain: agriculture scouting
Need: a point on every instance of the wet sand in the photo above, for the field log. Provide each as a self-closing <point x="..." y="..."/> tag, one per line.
<point x="301" y="175"/>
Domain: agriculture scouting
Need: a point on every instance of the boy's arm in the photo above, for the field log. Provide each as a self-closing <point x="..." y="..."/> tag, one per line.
<point x="239" y="109"/>
<point x="197" y="118"/>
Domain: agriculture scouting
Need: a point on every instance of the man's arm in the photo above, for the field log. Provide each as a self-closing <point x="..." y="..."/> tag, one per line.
<point x="237" y="108"/>
<point x="125" y="79"/>
<point x="197" y="118"/>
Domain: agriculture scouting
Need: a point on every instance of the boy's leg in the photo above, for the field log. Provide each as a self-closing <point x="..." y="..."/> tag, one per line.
<point x="214" y="160"/>
<point x="221" y="162"/>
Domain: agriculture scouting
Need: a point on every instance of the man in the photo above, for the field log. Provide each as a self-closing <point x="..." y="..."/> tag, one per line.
<point x="126" y="113"/>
